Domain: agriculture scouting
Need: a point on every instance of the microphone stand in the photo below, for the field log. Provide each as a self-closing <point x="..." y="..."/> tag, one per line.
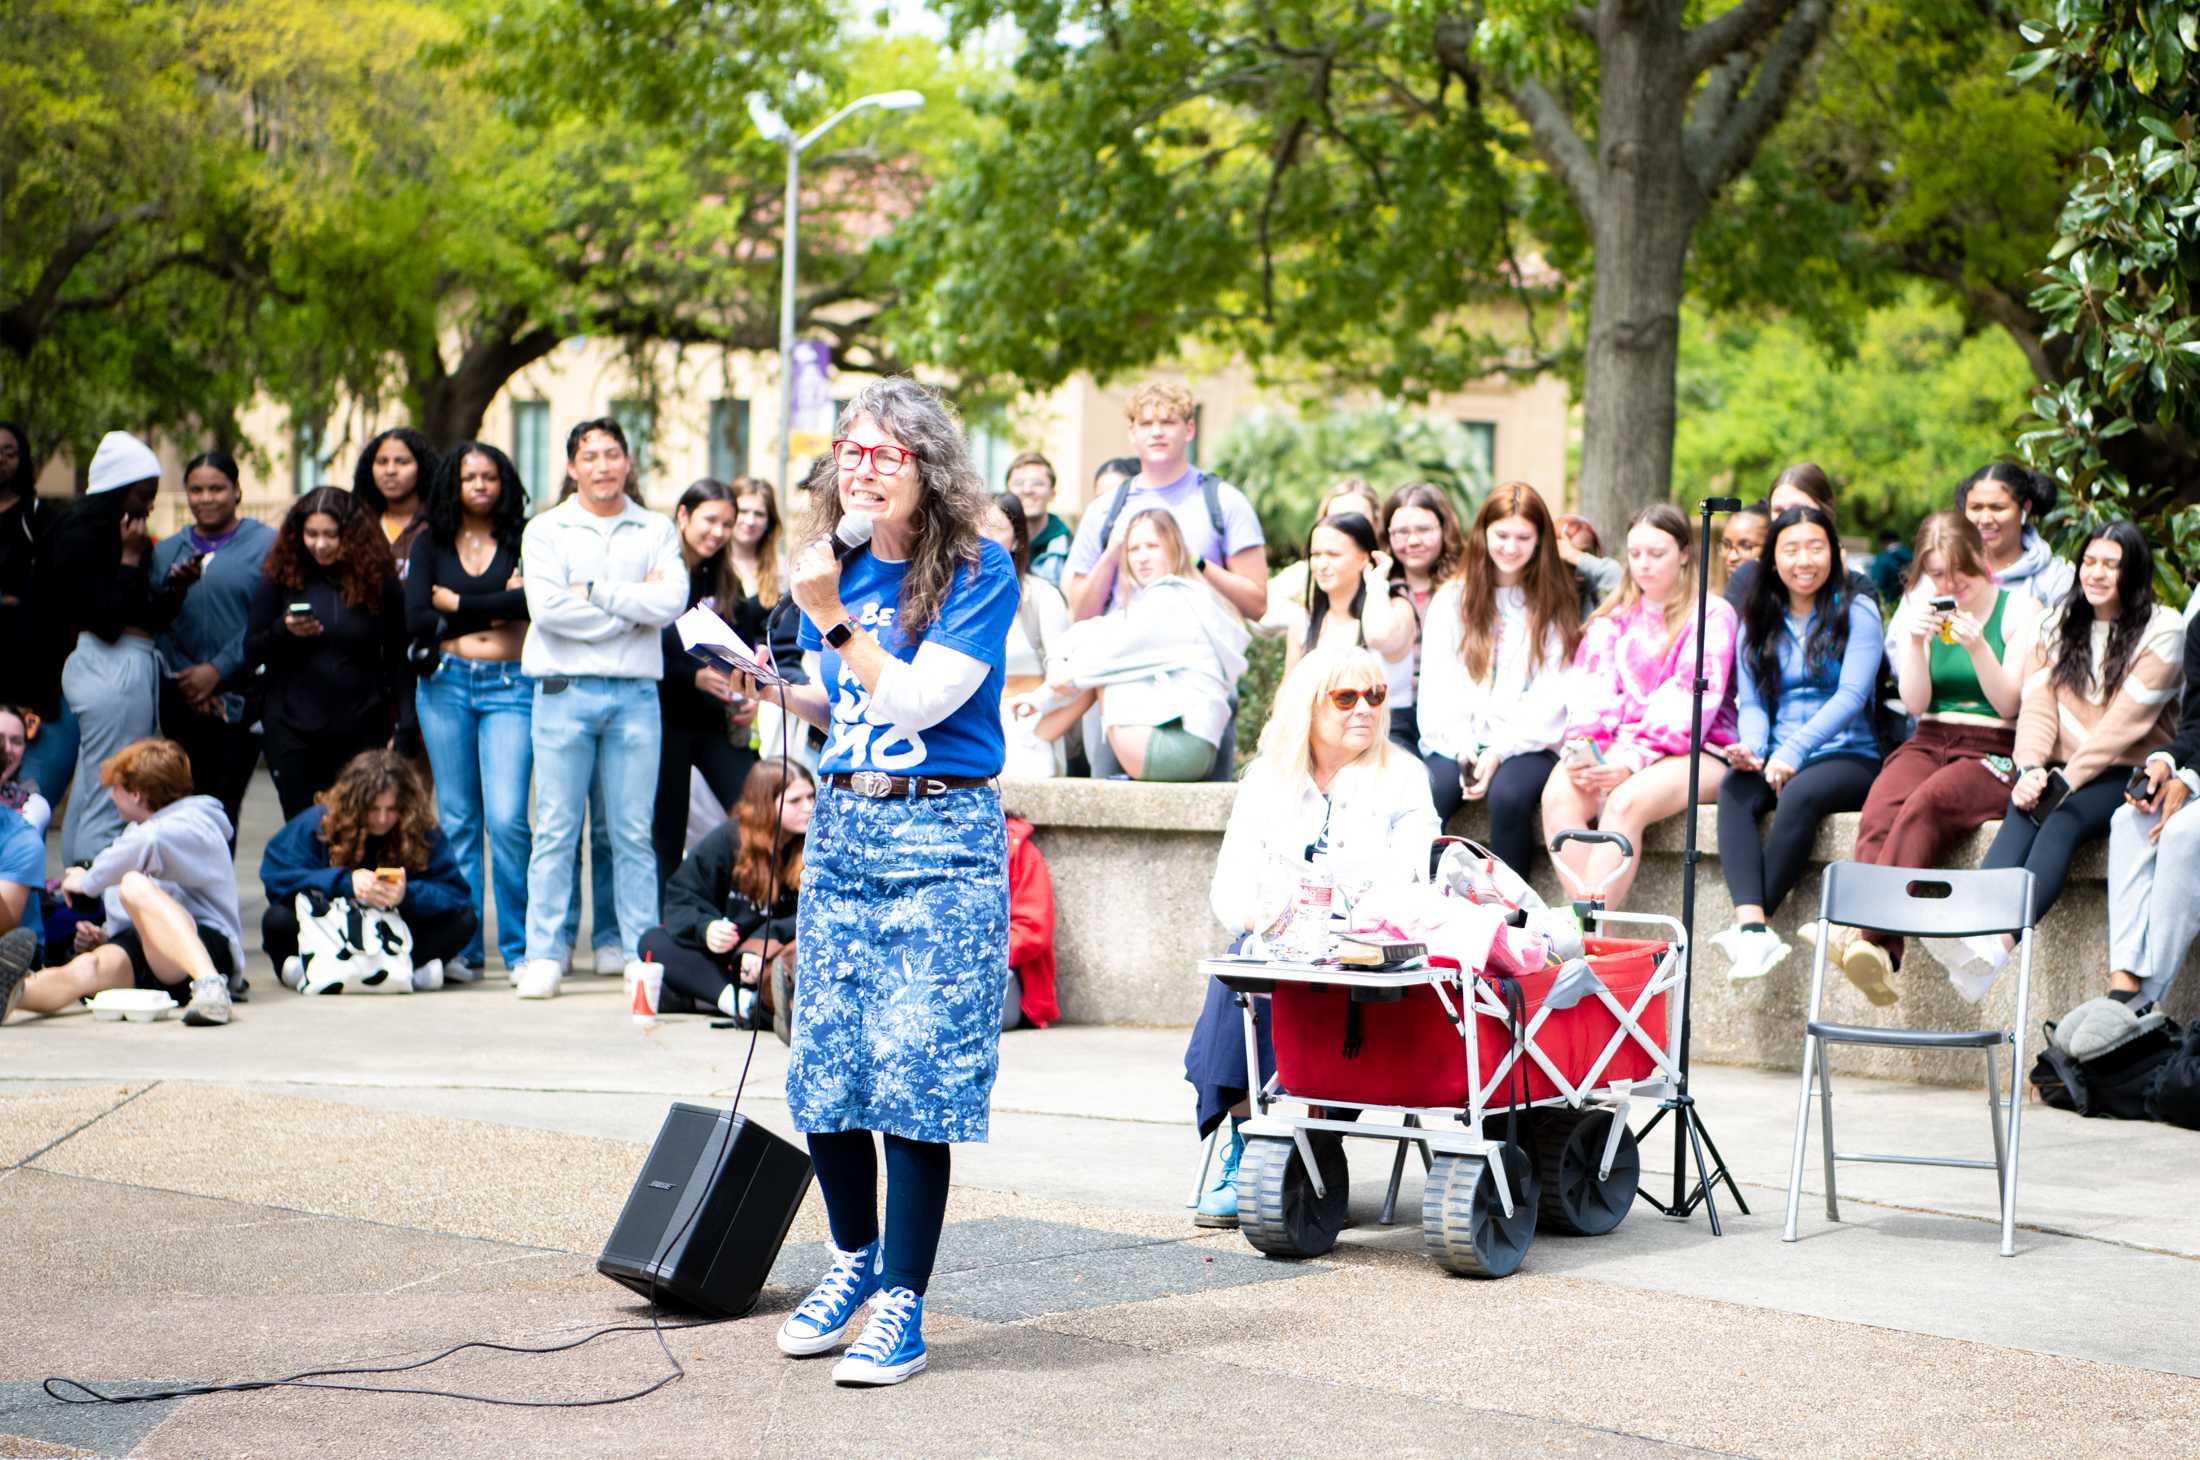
<point x="1689" y="1132"/>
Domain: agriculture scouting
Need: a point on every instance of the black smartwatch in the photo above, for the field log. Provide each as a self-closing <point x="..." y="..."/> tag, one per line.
<point x="839" y="634"/>
<point x="1199" y="567"/>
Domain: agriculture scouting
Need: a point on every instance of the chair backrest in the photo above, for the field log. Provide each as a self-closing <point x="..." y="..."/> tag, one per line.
<point x="1923" y="902"/>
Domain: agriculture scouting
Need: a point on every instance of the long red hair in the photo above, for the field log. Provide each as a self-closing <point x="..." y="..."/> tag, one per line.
<point x="1548" y="584"/>
<point x="756" y="818"/>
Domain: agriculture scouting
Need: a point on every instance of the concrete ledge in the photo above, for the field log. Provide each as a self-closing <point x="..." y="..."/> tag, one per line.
<point x="1132" y="862"/>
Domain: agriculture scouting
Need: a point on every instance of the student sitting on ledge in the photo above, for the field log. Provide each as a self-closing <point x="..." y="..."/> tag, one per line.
<point x="375" y="820"/>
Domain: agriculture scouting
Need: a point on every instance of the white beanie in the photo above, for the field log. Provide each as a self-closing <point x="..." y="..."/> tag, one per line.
<point x="121" y="461"/>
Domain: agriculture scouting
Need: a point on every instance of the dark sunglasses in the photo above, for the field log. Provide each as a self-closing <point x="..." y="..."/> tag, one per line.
<point x="1349" y="699"/>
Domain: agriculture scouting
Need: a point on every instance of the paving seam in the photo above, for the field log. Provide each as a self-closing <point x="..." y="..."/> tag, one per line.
<point x="524" y="1247"/>
<point x="87" y="1125"/>
<point x="1385" y="1394"/>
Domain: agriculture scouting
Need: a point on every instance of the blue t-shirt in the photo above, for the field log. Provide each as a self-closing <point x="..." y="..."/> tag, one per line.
<point x="973" y="620"/>
<point x="23" y="862"/>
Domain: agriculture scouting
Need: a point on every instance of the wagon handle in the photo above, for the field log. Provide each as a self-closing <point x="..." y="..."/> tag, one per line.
<point x="1594" y="894"/>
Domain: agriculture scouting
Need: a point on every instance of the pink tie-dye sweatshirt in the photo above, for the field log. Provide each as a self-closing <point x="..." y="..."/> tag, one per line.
<point x="1631" y="689"/>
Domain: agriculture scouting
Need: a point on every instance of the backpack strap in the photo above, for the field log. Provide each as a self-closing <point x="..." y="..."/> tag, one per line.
<point x="1210" y="486"/>
<point x="1115" y="509"/>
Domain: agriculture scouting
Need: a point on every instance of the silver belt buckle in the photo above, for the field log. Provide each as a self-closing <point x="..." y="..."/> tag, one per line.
<point x="875" y="784"/>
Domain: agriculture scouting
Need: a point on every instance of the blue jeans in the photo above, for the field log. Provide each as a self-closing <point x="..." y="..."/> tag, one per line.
<point x="603" y="735"/>
<point x="603" y="898"/>
<point x="50" y="761"/>
<point x="474" y="717"/>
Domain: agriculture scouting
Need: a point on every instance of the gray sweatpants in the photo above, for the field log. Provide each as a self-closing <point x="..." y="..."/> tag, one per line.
<point x="2153" y="895"/>
<point x="115" y="691"/>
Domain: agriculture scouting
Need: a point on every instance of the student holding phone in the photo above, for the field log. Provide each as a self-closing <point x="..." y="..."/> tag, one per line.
<point x="328" y="625"/>
<point x="2100" y="698"/>
<point x="2154" y="857"/>
<point x="1961" y="672"/>
<point x="1496" y="656"/>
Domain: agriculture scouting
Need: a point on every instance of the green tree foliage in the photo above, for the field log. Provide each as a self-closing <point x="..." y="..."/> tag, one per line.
<point x="1286" y="464"/>
<point x="2120" y="432"/>
<point x="1913" y="405"/>
<point x="1395" y="196"/>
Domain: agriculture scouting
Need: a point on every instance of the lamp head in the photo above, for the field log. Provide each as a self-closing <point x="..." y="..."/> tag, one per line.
<point x="899" y="101"/>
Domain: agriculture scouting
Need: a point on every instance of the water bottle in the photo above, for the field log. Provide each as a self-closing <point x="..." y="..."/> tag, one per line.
<point x="1308" y="934"/>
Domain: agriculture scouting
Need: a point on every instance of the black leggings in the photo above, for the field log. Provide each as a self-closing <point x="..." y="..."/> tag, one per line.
<point x="725" y="767"/>
<point x="444" y="936"/>
<point x="1515" y="796"/>
<point x="1763" y="872"/>
<point x="693" y="981"/>
<point x="2046" y="850"/>
<point x="304" y="765"/>
<point x="916" y="1199"/>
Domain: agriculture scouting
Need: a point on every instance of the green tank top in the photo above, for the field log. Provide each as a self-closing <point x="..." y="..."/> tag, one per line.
<point x="1955" y="679"/>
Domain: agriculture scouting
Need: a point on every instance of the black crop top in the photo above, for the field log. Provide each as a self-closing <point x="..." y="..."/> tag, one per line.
<point x="483" y="600"/>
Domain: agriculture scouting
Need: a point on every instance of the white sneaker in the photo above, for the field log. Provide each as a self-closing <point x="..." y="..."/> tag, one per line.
<point x="1729" y="942"/>
<point x="610" y="962"/>
<point x="1765" y="950"/>
<point x="292" y="975"/>
<point x="428" y="977"/>
<point x="538" y="978"/>
<point x="458" y="970"/>
<point x="209" y="1002"/>
<point x="1972" y="963"/>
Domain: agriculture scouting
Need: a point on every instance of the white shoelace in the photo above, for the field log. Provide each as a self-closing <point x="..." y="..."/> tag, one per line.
<point x="883" y="1335"/>
<point x="835" y="1288"/>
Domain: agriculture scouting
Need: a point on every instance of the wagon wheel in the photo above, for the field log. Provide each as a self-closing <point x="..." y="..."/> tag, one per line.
<point x="1277" y="1209"/>
<point x="1464" y="1225"/>
<point x="1569" y="1149"/>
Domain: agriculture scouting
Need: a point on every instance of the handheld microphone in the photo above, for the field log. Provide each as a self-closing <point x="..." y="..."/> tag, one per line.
<point x="853" y="534"/>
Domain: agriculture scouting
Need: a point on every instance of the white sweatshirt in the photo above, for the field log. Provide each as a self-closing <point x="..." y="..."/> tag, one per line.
<point x="1509" y="710"/>
<point x="613" y="631"/>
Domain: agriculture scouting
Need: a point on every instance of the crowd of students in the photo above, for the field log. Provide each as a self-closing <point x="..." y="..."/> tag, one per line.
<point x="452" y="697"/>
<point x="421" y="630"/>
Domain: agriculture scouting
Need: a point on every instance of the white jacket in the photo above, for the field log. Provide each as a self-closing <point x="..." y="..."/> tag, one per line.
<point x="1174" y="651"/>
<point x="613" y="632"/>
<point x="1508" y="710"/>
<point x="184" y="847"/>
<point x="1377" y="826"/>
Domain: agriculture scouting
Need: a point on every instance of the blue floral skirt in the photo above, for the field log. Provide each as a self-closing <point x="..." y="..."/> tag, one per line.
<point x="901" y="962"/>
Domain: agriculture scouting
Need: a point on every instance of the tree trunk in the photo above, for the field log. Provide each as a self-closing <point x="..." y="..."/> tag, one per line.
<point x="453" y="402"/>
<point x="1647" y="204"/>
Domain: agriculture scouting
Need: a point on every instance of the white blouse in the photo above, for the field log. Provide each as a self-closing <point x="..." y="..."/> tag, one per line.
<point x="1509" y="710"/>
<point x="1375" y="827"/>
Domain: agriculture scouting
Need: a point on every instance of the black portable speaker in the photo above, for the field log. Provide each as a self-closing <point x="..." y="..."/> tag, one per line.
<point x="709" y="1213"/>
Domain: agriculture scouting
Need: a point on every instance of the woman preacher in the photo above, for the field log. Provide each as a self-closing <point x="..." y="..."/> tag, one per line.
<point x="902" y="946"/>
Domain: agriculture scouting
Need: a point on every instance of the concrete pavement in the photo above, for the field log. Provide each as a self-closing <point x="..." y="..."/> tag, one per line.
<point x="374" y="1179"/>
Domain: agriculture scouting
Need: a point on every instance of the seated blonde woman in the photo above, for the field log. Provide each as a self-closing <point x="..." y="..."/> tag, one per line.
<point x="1328" y="783"/>
<point x="1161" y="667"/>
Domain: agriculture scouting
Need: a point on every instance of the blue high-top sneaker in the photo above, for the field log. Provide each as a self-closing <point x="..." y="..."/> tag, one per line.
<point x="892" y="1346"/>
<point x="1218" y="1208"/>
<point x="818" y="1321"/>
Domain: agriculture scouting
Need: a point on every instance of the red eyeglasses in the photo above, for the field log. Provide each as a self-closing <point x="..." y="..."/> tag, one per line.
<point x="1349" y="699"/>
<point x="887" y="459"/>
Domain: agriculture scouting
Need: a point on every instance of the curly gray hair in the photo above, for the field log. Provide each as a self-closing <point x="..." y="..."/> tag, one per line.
<point x="951" y="502"/>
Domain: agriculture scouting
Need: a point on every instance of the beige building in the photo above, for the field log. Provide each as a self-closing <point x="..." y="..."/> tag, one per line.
<point x="716" y="413"/>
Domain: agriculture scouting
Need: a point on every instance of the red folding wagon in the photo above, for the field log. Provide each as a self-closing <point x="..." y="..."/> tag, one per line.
<point x="1481" y="1075"/>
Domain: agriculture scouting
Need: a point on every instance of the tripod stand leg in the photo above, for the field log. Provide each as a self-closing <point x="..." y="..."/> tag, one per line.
<point x="1717" y="1170"/>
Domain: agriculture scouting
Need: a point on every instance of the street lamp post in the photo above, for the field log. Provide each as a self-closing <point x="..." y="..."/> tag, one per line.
<point x="775" y="129"/>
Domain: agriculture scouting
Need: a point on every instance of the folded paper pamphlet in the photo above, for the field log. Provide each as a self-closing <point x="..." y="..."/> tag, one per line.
<point x="711" y="639"/>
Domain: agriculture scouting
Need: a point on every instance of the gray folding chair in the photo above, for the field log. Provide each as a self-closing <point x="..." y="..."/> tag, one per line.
<point x="1917" y="903"/>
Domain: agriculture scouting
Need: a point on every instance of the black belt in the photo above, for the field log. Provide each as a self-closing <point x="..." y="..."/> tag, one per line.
<point x="878" y="785"/>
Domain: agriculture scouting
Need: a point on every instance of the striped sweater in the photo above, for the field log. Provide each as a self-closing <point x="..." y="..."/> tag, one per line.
<point x="2119" y="725"/>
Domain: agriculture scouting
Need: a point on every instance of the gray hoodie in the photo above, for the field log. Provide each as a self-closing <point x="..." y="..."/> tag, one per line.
<point x="2038" y="572"/>
<point x="184" y="847"/>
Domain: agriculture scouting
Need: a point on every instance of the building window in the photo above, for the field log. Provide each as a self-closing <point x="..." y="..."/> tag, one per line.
<point x="729" y="439"/>
<point x="306" y="466"/>
<point x="531" y="449"/>
<point x="636" y="418"/>
<point x="1480" y="465"/>
<point x="989" y="455"/>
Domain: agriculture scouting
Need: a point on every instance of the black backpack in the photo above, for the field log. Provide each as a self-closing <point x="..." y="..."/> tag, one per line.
<point x="2118" y="1084"/>
<point x="2175" y="1096"/>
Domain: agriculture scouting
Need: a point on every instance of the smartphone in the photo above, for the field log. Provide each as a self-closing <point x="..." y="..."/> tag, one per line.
<point x="2138" y="788"/>
<point x="1583" y="751"/>
<point x="389" y="874"/>
<point x="1946" y="604"/>
<point x="301" y="609"/>
<point x="2051" y="796"/>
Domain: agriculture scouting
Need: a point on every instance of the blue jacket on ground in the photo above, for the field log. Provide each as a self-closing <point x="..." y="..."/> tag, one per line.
<point x="1824" y="709"/>
<point x="297" y="861"/>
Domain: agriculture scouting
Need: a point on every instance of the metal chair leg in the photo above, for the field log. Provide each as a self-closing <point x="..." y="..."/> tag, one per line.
<point x="1802" y="1137"/>
<point x="1993" y="1119"/>
<point x="1206" y="1164"/>
<point x="1825" y="1116"/>
<point x="2016" y="1130"/>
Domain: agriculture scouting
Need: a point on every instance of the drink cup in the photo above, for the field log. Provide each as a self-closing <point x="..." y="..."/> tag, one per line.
<point x="644" y="990"/>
